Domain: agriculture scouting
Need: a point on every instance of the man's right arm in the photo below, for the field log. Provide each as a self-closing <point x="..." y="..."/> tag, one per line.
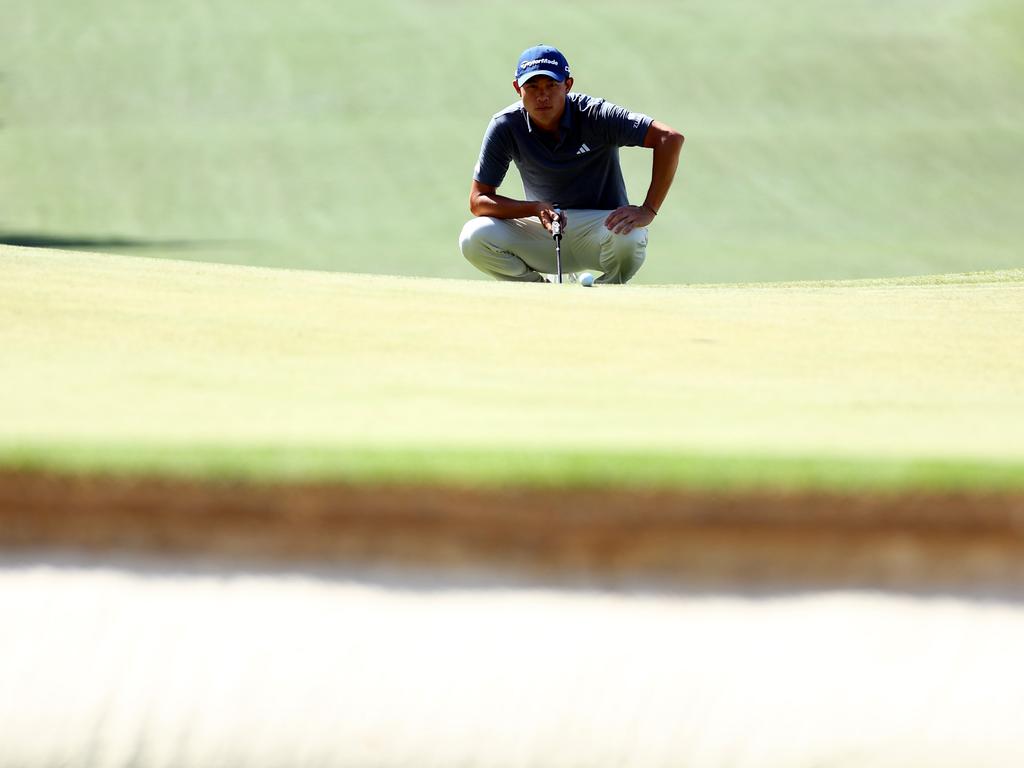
<point x="484" y="200"/>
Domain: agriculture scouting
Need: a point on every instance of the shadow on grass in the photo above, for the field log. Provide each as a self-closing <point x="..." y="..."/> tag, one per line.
<point x="74" y="242"/>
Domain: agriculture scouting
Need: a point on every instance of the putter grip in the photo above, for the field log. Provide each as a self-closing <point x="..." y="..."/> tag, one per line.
<point x="556" y="224"/>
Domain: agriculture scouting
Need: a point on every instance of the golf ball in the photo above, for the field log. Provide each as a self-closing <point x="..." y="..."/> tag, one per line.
<point x="586" y="279"/>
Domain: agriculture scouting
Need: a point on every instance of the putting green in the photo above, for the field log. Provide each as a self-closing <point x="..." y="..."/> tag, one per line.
<point x="122" y="363"/>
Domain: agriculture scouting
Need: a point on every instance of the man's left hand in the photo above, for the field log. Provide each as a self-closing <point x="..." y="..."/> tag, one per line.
<point x="624" y="220"/>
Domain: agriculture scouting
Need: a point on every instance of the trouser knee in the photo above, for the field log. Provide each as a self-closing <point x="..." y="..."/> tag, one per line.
<point x="479" y="243"/>
<point x="471" y="239"/>
<point x="483" y="245"/>
<point x="623" y="255"/>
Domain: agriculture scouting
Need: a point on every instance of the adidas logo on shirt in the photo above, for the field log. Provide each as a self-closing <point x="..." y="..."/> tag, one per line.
<point x="583" y="150"/>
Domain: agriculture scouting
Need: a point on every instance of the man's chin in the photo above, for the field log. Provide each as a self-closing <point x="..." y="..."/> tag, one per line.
<point x="545" y="117"/>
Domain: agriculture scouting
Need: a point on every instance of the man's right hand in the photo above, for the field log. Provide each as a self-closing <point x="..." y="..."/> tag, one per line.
<point x="484" y="200"/>
<point x="547" y="215"/>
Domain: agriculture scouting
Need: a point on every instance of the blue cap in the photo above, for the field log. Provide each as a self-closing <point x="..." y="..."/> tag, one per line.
<point x="542" y="60"/>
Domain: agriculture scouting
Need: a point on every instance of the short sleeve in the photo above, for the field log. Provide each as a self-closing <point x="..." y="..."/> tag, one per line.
<point x="622" y="127"/>
<point x="494" y="156"/>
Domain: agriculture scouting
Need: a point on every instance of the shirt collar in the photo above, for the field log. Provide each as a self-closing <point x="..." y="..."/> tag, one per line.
<point x="565" y="124"/>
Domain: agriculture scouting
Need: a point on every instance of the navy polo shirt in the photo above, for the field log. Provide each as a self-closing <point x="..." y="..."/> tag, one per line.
<point x="577" y="169"/>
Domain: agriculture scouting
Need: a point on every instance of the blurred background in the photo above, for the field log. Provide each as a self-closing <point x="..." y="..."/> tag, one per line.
<point x="824" y="139"/>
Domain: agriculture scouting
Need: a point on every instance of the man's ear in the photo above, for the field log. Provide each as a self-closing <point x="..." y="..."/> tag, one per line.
<point x="568" y="84"/>
<point x="515" y="84"/>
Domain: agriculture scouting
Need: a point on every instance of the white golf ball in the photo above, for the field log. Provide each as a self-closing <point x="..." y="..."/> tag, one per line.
<point x="586" y="279"/>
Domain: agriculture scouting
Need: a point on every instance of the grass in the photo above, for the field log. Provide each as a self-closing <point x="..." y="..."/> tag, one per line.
<point x="848" y="140"/>
<point x="535" y="468"/>
<point x="130" y="364"/>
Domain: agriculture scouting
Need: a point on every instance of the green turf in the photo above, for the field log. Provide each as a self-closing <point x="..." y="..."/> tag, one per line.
<point x="131" y="364"/>
<point x="837" y="140"/>
<point x="536" y="468"/>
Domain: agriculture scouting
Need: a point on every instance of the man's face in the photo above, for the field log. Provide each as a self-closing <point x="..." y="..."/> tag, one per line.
<point x="544" y="99"/>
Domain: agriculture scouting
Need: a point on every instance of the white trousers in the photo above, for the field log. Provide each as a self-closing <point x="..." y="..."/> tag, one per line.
<point x="521" y="249"/>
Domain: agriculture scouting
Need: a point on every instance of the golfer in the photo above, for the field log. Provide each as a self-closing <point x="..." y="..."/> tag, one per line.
<point x="566" y="147"/>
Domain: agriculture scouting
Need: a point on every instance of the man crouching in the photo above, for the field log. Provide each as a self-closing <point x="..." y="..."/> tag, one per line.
<point x="566" y="148"/>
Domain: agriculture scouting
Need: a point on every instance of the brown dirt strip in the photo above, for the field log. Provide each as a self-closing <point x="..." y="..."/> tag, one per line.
<point x="701" y="538"/>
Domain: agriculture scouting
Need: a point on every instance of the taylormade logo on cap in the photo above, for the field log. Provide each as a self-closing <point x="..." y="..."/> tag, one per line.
<point x="535" y="62"/>
<point x="542" y="60"/>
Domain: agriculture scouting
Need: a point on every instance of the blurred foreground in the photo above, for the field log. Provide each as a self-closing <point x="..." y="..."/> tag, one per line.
<point x="257" y="625"/>
<point x="148" y="662"/>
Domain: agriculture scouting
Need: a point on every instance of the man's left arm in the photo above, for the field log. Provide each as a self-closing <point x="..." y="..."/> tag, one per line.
<point x="666" y="143"/>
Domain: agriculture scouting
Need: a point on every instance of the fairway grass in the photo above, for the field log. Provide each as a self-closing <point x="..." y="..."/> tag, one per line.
<point x="121" y="364"/>
<point x="846" y="140"/>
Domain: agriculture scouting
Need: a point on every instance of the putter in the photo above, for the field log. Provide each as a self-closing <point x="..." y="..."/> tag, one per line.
<point x="556" y="233"/>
